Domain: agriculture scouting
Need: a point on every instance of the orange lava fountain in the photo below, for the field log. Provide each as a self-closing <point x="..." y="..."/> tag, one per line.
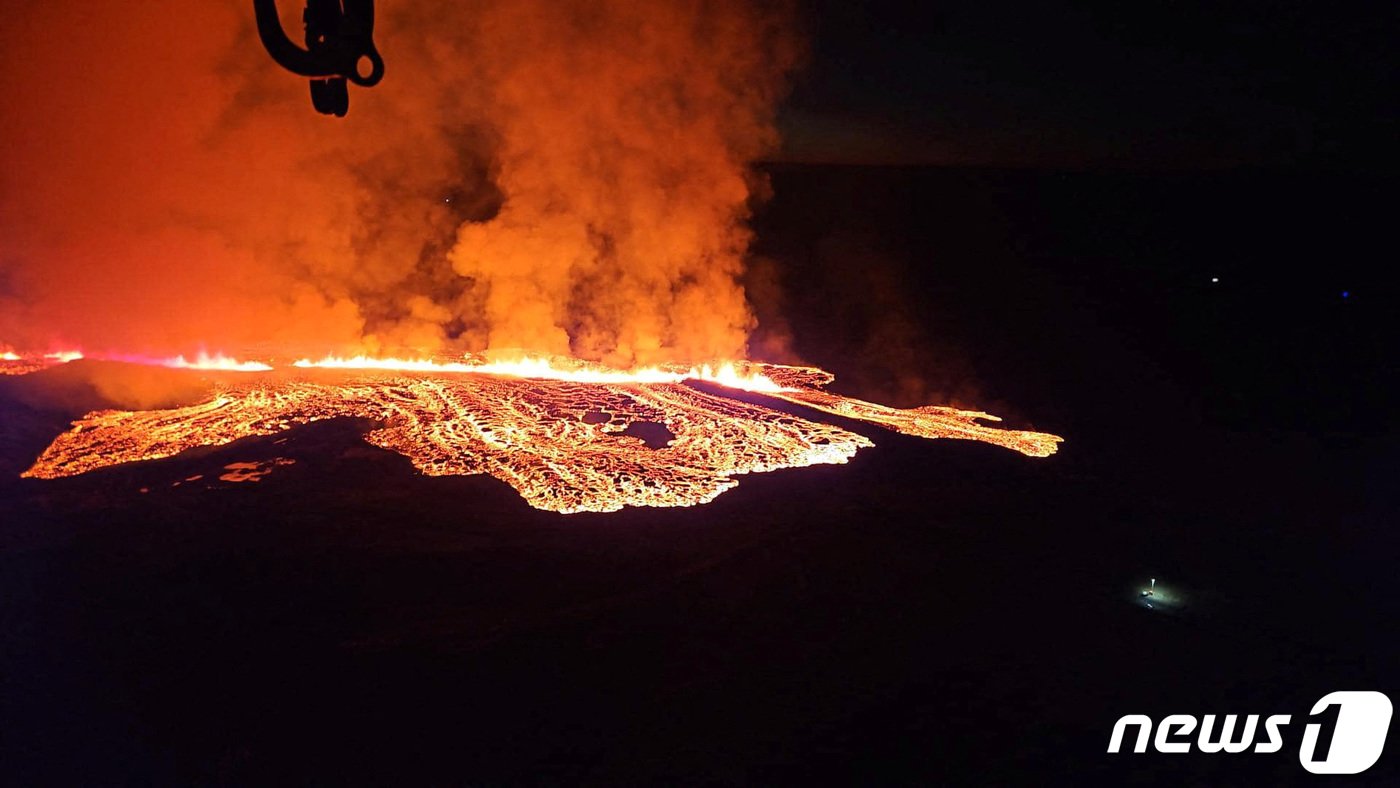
<point x="557" y="432"/>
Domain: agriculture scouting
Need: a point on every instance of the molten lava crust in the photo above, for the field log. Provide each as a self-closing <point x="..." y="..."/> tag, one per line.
<point x="561" y="443"/>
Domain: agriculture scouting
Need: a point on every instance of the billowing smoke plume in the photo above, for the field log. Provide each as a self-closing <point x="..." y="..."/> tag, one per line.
<point x="563" y="176"/>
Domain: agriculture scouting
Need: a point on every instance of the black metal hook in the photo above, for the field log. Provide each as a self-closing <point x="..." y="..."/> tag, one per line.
<point x="339" y="35"/>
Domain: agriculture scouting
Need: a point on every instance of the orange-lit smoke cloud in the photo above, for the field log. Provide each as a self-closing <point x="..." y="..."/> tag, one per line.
<point x="553" y="175"/>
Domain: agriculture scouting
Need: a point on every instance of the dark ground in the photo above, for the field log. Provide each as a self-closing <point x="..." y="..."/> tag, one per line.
<point x="939" y="612"/>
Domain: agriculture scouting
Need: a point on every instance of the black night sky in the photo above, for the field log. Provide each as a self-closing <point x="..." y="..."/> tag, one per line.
<point x="1152" y="85"/>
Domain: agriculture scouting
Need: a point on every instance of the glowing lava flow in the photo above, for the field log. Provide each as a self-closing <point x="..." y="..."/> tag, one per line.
<point x="217" y="361"/>
<point x="559" y="433"/>
<point x="930" y="421"/>
<point x="12" y="363"/>
<point x="543" y="368"/>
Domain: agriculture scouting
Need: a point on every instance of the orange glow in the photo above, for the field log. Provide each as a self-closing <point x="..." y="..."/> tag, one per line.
<point x="567" y="176"/>
<point x="555" y="430"/>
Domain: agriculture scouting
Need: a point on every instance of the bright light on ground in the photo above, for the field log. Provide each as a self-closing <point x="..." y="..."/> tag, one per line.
<point x="1154" y="595"/>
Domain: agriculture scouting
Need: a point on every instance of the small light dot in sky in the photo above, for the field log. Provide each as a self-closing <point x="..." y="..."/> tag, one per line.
<point x="1215" y="279"/>
<point x="1346" y="294"/>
